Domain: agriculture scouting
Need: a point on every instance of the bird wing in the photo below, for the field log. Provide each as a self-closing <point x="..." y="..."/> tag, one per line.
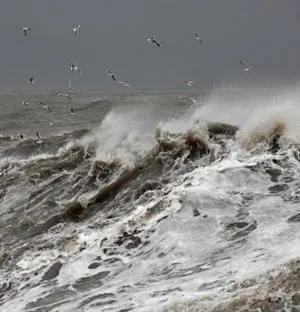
<point x="157" y="43"/>
<point x="124" y="83"/>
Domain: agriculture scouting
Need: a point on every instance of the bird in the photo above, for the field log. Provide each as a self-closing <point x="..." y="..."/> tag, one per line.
<point x="26" y="29"/>
<point x="76" y="30"/>
<point x="31" y="81"/>
<point x="20" y="135"/>
<point x="47" y="108"/>
<point x="246" y="68"/>
<point x="25" y="103"/>
<point x="112" y="76"/>
<point x="70" y="88"/>
<point x="153" y="40"/>
<point x="74" y="67"/>
<point x="65" y="95"/>
<point x="189" y="83"/>
<point x="72" y="110"/>
<point x="198" y="38"/>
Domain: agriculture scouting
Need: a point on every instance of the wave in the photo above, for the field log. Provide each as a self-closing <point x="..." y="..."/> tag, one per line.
<point x="202" y="206"/>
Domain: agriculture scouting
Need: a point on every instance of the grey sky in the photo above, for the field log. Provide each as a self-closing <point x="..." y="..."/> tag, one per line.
<point x="113" y="36"/>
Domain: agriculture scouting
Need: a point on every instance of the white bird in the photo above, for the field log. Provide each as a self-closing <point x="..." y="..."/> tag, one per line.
<point x="65" y="95"/>
<point x="75" y="67"/>
<point x="26" y="29"/>
<point x="76" y="30"/>
<point x="189" y="83"/>
<point x="47" y="108"/>
<point x="124" y="83"/>
<point x="198" y="38"/>
<point x="31" y="81"/>
<point x="154" y="40"/>
<point x="246" y="68"/>
<point x="25" y="103"/>
<point x="112" y="76"/>
<point x="70" y="88"/>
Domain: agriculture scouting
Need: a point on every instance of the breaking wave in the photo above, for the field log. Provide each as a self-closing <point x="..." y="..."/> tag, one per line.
<point x="196" y="212"/>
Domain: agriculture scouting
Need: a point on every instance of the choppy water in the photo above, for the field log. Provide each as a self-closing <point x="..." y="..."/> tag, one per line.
<point x="151" y="201"/>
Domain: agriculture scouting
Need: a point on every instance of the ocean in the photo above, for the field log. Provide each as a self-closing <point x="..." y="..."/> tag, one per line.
<point x="151" y="201"/>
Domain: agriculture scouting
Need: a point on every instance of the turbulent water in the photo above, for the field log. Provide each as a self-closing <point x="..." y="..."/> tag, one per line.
<point x="151" y="201"/>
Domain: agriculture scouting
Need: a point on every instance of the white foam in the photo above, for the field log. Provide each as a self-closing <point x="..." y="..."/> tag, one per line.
<point x="186" y="252"/>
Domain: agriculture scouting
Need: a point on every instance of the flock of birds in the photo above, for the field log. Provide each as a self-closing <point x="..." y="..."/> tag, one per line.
<point x="75" y="68"/>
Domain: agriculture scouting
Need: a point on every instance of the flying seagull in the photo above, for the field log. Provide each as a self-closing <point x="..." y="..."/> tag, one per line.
<point x="189" y="83"/>
<point x="20" y="135"/>
<point x="72" y="110"/>
<point x="31" y="81"/>
<point x="74" y="67"/>
<point x="26" y="29"/>
<point x="70" y="86"/>
<point x="153" y="40"/>
<point x="198" y="38"/>
<point x="246" y="68"/>
<point x="76" y="30"/>
<point x="47" y="108"/>
<point x="112" y="76"/>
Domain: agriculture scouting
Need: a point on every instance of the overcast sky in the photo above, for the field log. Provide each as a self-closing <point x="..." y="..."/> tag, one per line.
<point x="113" y="36"/>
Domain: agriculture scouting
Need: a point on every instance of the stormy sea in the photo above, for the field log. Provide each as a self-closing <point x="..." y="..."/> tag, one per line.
<point x="151" y="201"/>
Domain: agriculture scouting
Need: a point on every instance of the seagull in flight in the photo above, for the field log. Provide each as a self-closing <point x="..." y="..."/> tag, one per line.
<point x="246" y="68"/>
<point x="20" y="135"/>
<point x="111" y="75"/>
<point x="31" y="81"/>
<point x="70" y="88"/>
<point x="76" y="30"/>
<point x="47" y="108"/>
<point x="154" y="40"/>
<point x="26" y="29"/>
<point x="74" y="67"/>
<point x="198" y="38"/>
<point x="189" y="83"/>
